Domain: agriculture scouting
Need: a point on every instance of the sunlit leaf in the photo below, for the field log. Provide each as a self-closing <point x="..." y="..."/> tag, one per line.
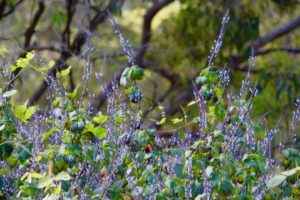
<point x="9" y="93"/>
<point x="62" y="176"/>
<point x="275" y="181"/>
<point x="30" y="111"/>
<point x="29" y="55"/>
<point x="192" y="103"/>
<point x="66" y="72"/>
<point x="99" y="132"/>
<point x="176" y="120"/>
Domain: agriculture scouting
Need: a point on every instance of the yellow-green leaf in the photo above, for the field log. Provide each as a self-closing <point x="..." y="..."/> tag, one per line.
<point x="65" y="72"/>
<point x="192" y="103"/>
<point x="176" y="120"/>
<point x="62" y="176"/>
<point x="9" y="93"/>
<point x="100" y="133"/>
<point x="30" y="111"/>
<point x="29" y="55"/>
<point x="162" y="121"/>
<point x="275" y="181"/>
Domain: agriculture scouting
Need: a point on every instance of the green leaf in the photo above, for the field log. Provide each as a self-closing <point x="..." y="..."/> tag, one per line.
<point x="176" y="120"/>
<point x="137" y="73"/>
<point x="2" y="127"/>
<point x="275" y="181"/>
<point x="179" y="170"/>
<point x="225" y="187"/>
<point x="125" y="76"/>
<point x="51" y="64"/>
<point x="77" y="126"/>
<point x="46" y="135"/>
<point x="201" y="79"/>
<point x="24" y="152"/>
<point x="134" y="94"/>
<point x="192" y="103"/>
<point x="100" y="119"/>
<point x="12" y="68"/>
<point x="30" y="111"/>
<point x="212" y="77"/>
<point x="218" y="92"/>
<point x="291" y="172"/>
<point x="162" y="121"/>
<point x="259" y="134"/>
<point x="100" y="132"/>
<point x="62" y="176"/>
<point x="29" y="55"/>
<point x="44" y="182"/>
<point x="22" y="62"/>
<point x="6" y="150"/>
<point x="9" y="93"/>
<point x="66" y="72"/>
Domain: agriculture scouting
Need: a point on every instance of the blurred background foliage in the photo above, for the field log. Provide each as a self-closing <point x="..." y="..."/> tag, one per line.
<point x="182" y="35"/>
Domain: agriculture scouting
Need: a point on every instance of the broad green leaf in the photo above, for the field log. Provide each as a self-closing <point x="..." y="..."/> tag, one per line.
<point x="225" y="187"/>
<point x="44" y="182"/>
<point x="100" y="119"/>
<point x="137" y="73"/>
<point x="291" y="172"/>
<point x="19" y="112"/>
<point x="35" y="175"/>
<point x="99" y="132"/>
<point x="30" y="111"/>
<point x="9" y="93"/>
<point x="77" y="126"/>
<point x="125" y="76"/>
<point x="24" y="152"/>
<point x="178" y="168"/>
<point x="57" y="190"/>
<point x="6" y="150"/>
<point x="275" y="181"/>
<point x="22" y="62"/>
<point x="29" y="55"/>
<point x="62" y="176"/>
<point x="46" y="135"/>
<point x="218" y="92"/>
<point x="12" y="68"/>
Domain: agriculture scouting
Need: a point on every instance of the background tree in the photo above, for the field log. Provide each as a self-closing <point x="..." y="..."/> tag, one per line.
<point x="171" y="40"/>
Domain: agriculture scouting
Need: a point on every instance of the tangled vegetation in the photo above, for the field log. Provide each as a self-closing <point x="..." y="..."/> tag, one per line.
<point x="69" y="151"/>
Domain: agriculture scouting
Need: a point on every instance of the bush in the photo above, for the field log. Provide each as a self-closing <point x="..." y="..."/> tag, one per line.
<point x="69" y="152"/>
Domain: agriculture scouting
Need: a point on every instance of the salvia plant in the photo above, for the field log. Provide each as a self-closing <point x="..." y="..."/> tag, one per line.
<point x="69" y="151"/>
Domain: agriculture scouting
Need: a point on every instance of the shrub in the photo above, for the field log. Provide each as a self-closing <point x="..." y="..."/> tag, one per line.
<point x="69" y="152"/>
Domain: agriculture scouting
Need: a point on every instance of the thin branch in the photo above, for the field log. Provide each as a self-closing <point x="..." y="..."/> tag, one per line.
<point x="272" y="50"/>
<point x="44" y="48"/>
<point x="276" y="33"/>
<point x="78" y="42"/>
<point x="31" y="29"/>
<point x="146" y="36"/>
<point x="11" y="9"/>
<point x="71" y="8"/>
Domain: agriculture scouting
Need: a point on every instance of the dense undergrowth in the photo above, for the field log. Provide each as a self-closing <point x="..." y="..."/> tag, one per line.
<point x="70" y="151"/>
